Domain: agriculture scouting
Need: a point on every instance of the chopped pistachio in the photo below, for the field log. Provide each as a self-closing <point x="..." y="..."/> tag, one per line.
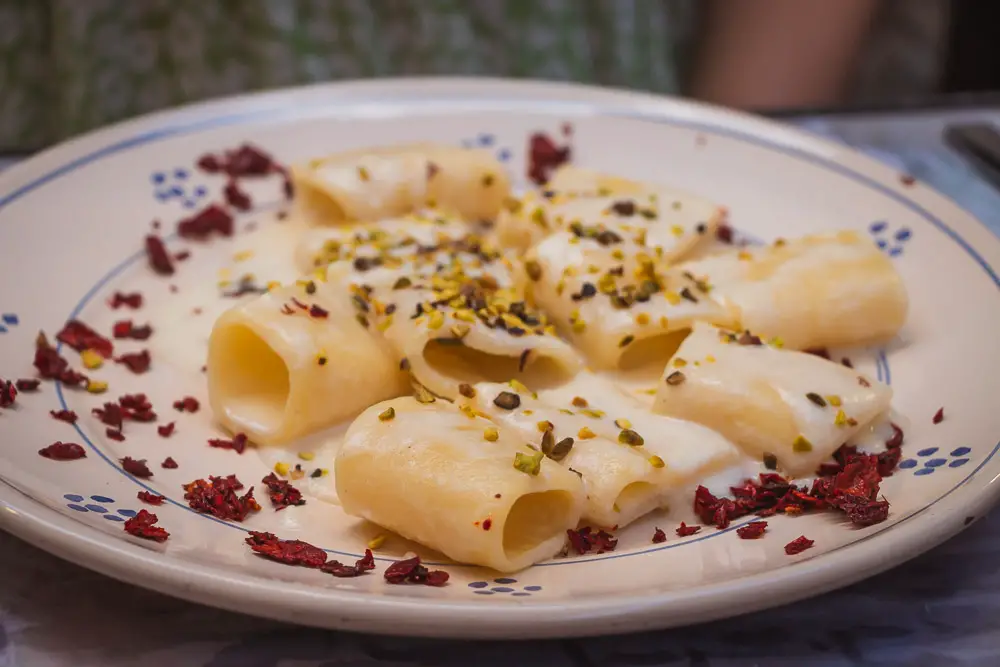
<point x="422" y="393"/>
<point x="467" y="390"/>
<point x="840" y="419"/>
<point x="816" y="398"/>
<point x="579" y="402"/>
<point x="801" y="445"/>
<point x="629" y="437"/>
<point x="435" y="320"/>
<point x="656" y="461"/>
<point x="533" y="269"/>
<point x="307" y="456"/>
<point x="676" y="378"/>
<point x="623" y="423"/>
<point x="530" y="464"/>
<point x="834" y="400"/>
<point x="680" y="363"/>
<point x="592" y="413"/>
<point x="557" y="451"/>
<point x="91" y="359"/>
<point x="545" y="425"/>
<point x="281" y="468"/>
<point x="507" y="400"/>
<point x="642" y="319"/>
<point x="520" y="387"/>
<point x="96" y="386"/>
<point x="585" y="434"/>
<point x="625" y="341"/>
<point x="491" y="434"/>
<point x="387" y="415"/>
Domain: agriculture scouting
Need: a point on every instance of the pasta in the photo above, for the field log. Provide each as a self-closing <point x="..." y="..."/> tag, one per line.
<point x="371" y="184"/>
<point x="819" y="291"/>
<point x="625" y="474"/>
<point x="795" y="406"/>
<point x="296" y="360"/>
<point x="448" y="480"/>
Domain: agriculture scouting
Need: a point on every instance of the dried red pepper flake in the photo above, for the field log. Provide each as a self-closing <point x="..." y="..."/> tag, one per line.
<point x="364" y="564"/>
<point x="217" y="496"/>
<point x="67" y="416"/>
<point x="248" y="160"/>
<point x="282" y="493"/>
<point x="169" y="463"/>
<point x="132" y="299"/>
<point x="114" y="434"/>
<point x="8" y="393"/>
<point x="544" y="157"/>
<point x="137" y="468"/>
<point x="938" y="416"/>
<point x="166" y="430"/>
<point x="238" y="444"/>
<point x="798" y="545"/>
<point x="209" y="163"/>
<point x="213" y="219"/>
<point x="151" y="498"/>
<point x="888" y="461"/>
<point x="896" y="440"/>
<point x="159" y="258"/>
<point x="137" y="362"/>
<point x="685" y="530"/>
<point x="187" y="404"/>
<point x="289" y="552"/>
<point x="659" y="536"/>
<point x="586" y="540"/>
<point x="318" y="313"/>
<point x="111" y="415"/>
<point x="126" y="329"/>
<point x="752" y="530"/>
<point x="411" y="571"/>
<point x="51" y="365"/>
<point x="81" y="337"/>
<point x="236" y="197"/>
<point x="487" y="523"/>
<point x="63" y="451"/>
<point x="724" y="233"/>
<point x="182" y="256"/>
<point x="143" y="525"/>
<point x="27" y="385"/>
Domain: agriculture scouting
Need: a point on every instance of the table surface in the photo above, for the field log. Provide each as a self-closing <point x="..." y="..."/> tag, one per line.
<point x="941" y="609"/>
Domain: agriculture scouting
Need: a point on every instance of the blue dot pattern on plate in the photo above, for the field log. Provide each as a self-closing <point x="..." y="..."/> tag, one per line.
<point x="485" y="588"/>
<point x="891" y="243"/>
<point x="955" y="459"/>
<point x="98" y="507"/>
<point x="8" y="320"/>
<point x="487" y="140"/>
<point x="173" y="185"/>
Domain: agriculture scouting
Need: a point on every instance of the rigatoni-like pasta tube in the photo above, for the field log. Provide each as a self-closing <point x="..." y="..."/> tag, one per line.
<point x="614" y="302"/>
<point x="796" y="406"/>
<point x="388" y="182"/>
<point x="296" y="360"/>
<point x="818" y="291"/>
<point x="629" y="459"/>
<point x="448" y="481"/>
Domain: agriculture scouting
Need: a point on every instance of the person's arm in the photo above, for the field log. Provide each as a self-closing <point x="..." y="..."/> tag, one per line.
<point x="766" y="54"/>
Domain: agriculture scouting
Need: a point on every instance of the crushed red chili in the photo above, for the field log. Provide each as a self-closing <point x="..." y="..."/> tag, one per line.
<point x="217" y="496"/>
<point x="8" y="393"/>
<point x="245" y="161"/>
<point x="136" y="467"/>
<point x="411" y="571"/>
<point x="81" y="337"/>
<point x="27" y="385"/>
<point x="159" y="258"/>
<point x="236" y="197"/>
<point x="187" y="404"/>
<point x="151" y="498"/>
<point x="752" y="530"/>
<point x="67" y="416"/>
<point x="289" y="552"/>
<point x="137" y="362"/>
<point x="544" y="157"/>
<point x="364" y="564"/>
<point x="114" y="434"/>
<point x="213" y="219"/>
<point x="126" y="329"/>
<point x="63" y="451"/>
<point x="51" y="365"/>
<point x="166" y="430"/>
<point x="724" y="233"/>
<point x="798" y="545"/>
<point x="659" y="536"/>
<point x="487" y="523"/>
<point x="896" y="440"/>
<point x="685" y="530"/>
<point x="143" y="525"/>
<point x="318" y="313"/>
<point x="133" y="300"/>
<point x="238" y="444"/>
<point x="169" y="463"/>
<point x="938" y="416"/>
<point x="586" y="540"/>
<point x="282" y="493"/>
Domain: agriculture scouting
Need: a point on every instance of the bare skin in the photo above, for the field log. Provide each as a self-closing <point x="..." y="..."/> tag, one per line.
<point x="768" y="54"/>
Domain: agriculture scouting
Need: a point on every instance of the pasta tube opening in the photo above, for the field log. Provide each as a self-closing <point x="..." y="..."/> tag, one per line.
<point x="652" y="352"/>
<point x="255" y="393"/>
<point x="534" y="519"/>
<point x="637" y="498"/>
<point x="312" y="202"/>
<point x="464" y="364"/>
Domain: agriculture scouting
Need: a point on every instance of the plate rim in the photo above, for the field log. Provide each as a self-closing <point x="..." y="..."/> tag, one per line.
<point x="73" y="540"/>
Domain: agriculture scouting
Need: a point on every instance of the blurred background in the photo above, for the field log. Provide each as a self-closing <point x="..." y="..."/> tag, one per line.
<point x="70" y="65"/>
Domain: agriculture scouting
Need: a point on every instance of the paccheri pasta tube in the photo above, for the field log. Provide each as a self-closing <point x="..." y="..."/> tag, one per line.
<point x="795" y="406"/>
<point x="387" y="182"/>
<point x="456" y="483"/>
<point x="614" y="301"/>
<point x="456" y="317"/>
<point x="296" y="360"/>
<point x="824" y="290"/>
<point x="629" y="459"/>
<point x="667" y="223"/>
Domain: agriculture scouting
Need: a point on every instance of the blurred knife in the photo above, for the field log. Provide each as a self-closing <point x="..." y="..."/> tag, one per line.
<point x="979" y="145"/>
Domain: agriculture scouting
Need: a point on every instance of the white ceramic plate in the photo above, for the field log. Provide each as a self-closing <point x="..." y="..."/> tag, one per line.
<point x="72" y="222"/>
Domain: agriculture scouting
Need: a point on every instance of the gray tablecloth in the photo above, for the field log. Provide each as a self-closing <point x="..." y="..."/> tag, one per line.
<point x="942" y="609"/>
